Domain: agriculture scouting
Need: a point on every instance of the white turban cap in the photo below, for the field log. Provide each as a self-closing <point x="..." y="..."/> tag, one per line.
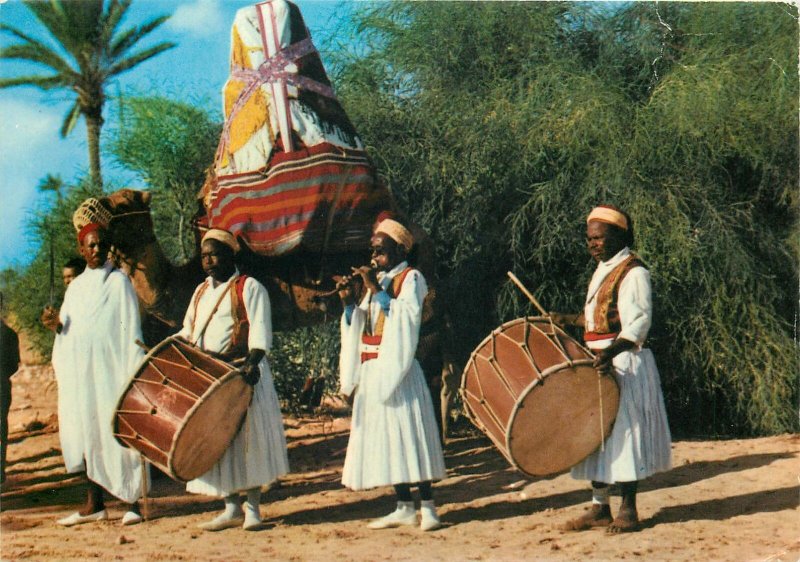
<point x="224" y="237"/>
<point x="396" y="232"/>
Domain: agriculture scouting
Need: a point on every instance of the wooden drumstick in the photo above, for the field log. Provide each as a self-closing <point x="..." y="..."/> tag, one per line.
<point x="528" y="294"/>
<point x="145" y="499"/>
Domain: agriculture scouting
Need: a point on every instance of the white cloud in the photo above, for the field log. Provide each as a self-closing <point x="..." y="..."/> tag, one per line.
<point x="199" y="18"/>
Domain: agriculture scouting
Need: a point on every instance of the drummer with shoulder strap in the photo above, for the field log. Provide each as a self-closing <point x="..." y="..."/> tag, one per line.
<point x="616" y="319"/>
<point x="230" y="315"/>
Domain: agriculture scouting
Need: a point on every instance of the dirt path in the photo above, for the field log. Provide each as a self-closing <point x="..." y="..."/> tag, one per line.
<point x="733" y="500"/>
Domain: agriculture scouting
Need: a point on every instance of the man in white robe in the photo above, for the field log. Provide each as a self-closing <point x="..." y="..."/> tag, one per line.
<point x="394" y="437"/>
<point x="215" y="320"/>
<point x="94" y="356"/>
<point x="616" y="319"/>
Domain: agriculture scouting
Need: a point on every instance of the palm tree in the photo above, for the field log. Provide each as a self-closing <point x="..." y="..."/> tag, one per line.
<point x="90" y="49"/>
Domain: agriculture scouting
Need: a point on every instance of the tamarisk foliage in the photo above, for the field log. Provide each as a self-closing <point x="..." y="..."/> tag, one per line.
<point x="169" y="144"/>
<point x="498" y="126"/>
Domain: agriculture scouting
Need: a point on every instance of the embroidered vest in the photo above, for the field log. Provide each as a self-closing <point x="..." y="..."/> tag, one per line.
<point x="241" y="323"/>
<point x="373" y="335"/>
<point x="607" y="324"/>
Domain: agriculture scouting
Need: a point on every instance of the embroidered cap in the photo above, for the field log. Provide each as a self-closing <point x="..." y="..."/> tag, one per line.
<point x="396" y="232"/>
<point x="609" y="215"/>
<point x="224" y="237"/>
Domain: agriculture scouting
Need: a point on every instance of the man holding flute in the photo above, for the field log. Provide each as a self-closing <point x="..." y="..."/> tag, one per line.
<point x="394" y="438"/>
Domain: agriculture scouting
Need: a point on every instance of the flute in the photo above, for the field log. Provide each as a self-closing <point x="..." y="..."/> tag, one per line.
<point x="345" y="281"/>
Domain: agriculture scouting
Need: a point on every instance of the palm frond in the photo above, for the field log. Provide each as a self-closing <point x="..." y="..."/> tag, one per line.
<point x="131" y="36"/>
<point x="73" y="25"/>
<point x="140" y="57"/>
<point x="50" y="14"/>
<point x="19" y="34"/>
<point x="111" y="19"/>
<point x="43" y="82"/>
<point x="70" y="119"/>
<point x="39" y="55"/>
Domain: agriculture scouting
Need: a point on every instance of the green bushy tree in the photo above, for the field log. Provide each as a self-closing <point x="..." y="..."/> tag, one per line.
<point x="169" y="144"/>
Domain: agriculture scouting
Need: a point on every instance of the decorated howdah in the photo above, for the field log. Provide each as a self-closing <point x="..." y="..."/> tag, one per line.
<point x="290" y="172"/>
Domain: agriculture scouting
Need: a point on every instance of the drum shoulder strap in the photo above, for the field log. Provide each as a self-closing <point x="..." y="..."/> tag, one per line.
<point x="606" y="314"/>
<point x="197" y="296"/>
<point x="241" y="323"/>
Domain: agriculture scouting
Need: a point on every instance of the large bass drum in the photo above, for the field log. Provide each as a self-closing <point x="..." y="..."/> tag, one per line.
<point x="182" y="409"/>
<point x="532" y="390"/>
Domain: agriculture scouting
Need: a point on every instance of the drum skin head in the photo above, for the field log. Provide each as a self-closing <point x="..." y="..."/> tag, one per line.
<point x="532" y="390"/>
<point x="558" y="422"/>
<point x="182" y="409"/>
<point x="208" y="427"/>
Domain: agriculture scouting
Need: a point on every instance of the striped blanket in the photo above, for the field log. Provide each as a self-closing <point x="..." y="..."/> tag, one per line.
<point x="322" y="198"/>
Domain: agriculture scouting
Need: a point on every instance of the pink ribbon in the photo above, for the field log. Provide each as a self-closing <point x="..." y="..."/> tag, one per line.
<point x="273" y="69"/>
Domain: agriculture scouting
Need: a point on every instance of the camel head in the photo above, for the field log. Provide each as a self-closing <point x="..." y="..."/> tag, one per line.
<point x="131" y="226"/>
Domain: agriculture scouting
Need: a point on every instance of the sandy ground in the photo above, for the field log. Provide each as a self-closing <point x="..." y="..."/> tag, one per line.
<point x="726" y="500"/>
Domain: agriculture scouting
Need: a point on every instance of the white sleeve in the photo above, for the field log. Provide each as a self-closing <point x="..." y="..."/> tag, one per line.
<point x="259" y="313"/>
<point x="401" y="333"/>
<point x="188" y="318"/>
<point x="635" y="305"/>
<point x="350" y="356"/>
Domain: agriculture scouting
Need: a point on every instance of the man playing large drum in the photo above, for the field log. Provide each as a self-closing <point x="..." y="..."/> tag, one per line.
<point x="94" y="354"/>
<point x="394" y="439"/>
<point x="616" y="319"/>
<point x="230" y="314"/>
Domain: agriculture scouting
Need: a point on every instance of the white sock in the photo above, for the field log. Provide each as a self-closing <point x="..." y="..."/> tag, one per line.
<point x="232" y="507"/>
<point x="600" y="495"/>
<point x="427" y="507"/>
<point x="429" y="519"/>
<point x="404" y="507"/>
<point x="253" y="502"/>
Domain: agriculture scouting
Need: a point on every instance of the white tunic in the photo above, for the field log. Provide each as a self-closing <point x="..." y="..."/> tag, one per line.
<point x="94" y="357"/>
<point x="394" y="438"/>
<point x="257" y="455"/>
<point x="640" y="442"/>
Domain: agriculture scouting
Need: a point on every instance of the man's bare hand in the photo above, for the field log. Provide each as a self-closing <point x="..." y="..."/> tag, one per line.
<point x="50" y="319"/>
<point x="345" y="289"/>
<point x="604" y="362"/>
<point x="368" y="276"/>
<point x="250" y="373"/>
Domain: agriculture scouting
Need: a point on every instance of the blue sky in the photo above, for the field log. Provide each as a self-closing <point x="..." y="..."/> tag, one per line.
<point x="195" y="70"/>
